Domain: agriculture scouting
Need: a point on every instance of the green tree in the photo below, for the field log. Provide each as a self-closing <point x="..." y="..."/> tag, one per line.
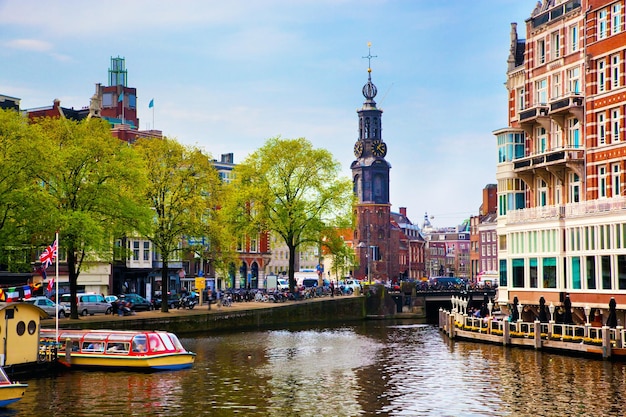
<point x="88" y="184"/>
<point x="19" y="212"/>
<point x="289" y="188"/>
<point x="183" y="190"/>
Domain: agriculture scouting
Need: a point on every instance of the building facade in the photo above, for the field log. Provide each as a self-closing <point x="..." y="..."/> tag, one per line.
<point x="561" y="227"/>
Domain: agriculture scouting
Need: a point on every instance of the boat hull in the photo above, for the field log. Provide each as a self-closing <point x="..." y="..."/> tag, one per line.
<point x="11" y="393"/>
<point x="165" y="362"/>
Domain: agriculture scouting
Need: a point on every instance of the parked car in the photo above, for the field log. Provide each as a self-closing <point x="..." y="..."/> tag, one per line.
<point x="110" y="298"/>
<point x="138" y="303"/>
<point x="172" y="301"/>
<point x="88" y="304"/>
<point x="350" y="286"/>
<point x="49" y="306"/>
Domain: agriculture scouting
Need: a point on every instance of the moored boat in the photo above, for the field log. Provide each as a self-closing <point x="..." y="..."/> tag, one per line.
<point x="120" y="349"/>
<point x="10" y="392"/>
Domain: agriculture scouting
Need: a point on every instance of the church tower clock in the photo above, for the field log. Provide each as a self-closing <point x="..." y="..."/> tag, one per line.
<point x="370" y="176"/>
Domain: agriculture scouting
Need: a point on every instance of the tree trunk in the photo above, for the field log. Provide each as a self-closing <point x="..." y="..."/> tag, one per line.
<point x="73" y="278"/>
<point x="292" y="267"/>
<point x="165" y="287"/>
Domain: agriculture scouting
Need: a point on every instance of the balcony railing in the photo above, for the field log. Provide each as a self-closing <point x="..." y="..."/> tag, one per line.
<point x="552" y="157"/>
<point x="570" y="210"/>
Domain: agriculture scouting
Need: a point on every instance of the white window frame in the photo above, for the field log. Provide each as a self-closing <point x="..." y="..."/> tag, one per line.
<point x="573" y="38"/>
<point x="602" y="182"/>
<point x="573" y="133"/>
<point x="601" y="128"/>
<point x="541" y="88"/>
<point x="602" y="24"/>
<point x="574" y="188"/>
<point x="541" y="51"/>
<point x="601" y="76"/>
<point x="555" y="45"/>
<point x="542" y="140"/>
<point x="615" y="70"/>
<point x="556" y="85"/>
<point x="573" y="80"/>
<point x="616" y="18"/>
<point x="542" y="193"/>
<point x="521" y="99"/>
<point x="615" y="125"/>
<point x="616" y="175"/>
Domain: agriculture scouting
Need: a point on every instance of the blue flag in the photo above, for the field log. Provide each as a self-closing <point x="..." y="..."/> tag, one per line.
<point x="121" y="97"/>
<point x="151" y="105"/>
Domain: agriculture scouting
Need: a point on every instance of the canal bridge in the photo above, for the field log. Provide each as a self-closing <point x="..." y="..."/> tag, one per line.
<point x="426" y="303"/>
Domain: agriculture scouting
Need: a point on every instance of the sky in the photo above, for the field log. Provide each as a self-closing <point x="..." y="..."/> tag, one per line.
<point x="227" y="76"/>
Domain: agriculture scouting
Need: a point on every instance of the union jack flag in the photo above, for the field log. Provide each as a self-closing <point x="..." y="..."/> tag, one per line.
<point x="48" y="255"/>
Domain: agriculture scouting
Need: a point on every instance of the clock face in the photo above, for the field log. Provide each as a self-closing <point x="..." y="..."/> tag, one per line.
<point x="379" y="148"/>
<point x="358" y="149"/>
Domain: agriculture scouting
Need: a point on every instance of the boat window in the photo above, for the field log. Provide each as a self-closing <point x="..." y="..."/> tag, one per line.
<point x="120" y="337"/>
<point x="156" y="345"/>
<point x="93" y="346"/>
<point x="117" y="347"/>
<point x="173" y="343"/>
<point x="140" y="343"/>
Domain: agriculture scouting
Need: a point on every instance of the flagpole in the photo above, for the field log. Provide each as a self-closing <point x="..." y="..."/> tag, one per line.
<point x="56" y="283"/>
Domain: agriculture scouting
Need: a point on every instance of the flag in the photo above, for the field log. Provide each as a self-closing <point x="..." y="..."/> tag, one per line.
<point x="48" y="255"/>
<point x="27" y="292"/>
<point x="121" y="97"/>
<point x="12" y="294"/>
<point x="50" y="286"/>
<point x="151" y="105"/>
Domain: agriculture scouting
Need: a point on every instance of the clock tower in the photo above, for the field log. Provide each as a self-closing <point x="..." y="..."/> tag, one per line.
<point x="370" y="177"/>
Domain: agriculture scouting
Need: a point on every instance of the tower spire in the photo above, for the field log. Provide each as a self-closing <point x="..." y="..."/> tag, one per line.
<point x="369" y="89"/>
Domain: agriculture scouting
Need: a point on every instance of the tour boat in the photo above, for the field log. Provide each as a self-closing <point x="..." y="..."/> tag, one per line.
<point x="123" y="349"/>
<point x="10" y="392"/>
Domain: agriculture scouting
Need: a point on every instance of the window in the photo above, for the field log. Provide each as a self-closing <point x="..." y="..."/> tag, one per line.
<point x="135" y="250"/>
<point x="542" y="139"/>
<point x="602" y="182"/>
<point x="107" y="100"/>
<point x="556" y="136"/>
<point x="146" y="251"/>
<point x="555" y="45"/>
<point x="615" y="71"/>
<point x="573" y="38"/>
<point x="615" y="129"/>
<point x="616" y="18"/>
<point x="602" y="24"/>
<point x="573" y="133"/>
<point x="601" y="76"/>
<point x="616" y="180"/>
<point x="253" y="244"/>
<point x="521" y="104"/>
<point x="574" y="188"/>
<point x="573" y="76"/>
<point x="601" y="129"/>
<point x="541" y="88"/>
<point x="556" y="86"/>
<point x="541" y="51"/>
<point x="542" y="193"/>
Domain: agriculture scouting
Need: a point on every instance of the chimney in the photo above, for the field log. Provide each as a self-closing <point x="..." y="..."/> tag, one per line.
<point x="403" y="211"/>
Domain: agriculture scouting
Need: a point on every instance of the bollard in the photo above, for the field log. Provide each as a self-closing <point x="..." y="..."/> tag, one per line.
<point x="606" y="342"/>
<point x="537" y="331"/>
<point x="506" y="337"/>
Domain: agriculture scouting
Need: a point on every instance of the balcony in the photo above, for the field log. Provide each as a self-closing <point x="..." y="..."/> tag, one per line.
<point x="615" y="205"/>
<point x="552" y="158"/>
<point x="532" y="116"/>
<point x="563" y="107"/>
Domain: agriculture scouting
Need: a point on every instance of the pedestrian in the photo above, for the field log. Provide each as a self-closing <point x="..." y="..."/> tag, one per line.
<point x="218" y="300"/>
<point x="332" y="288"/>
<point x="209" y="296"/>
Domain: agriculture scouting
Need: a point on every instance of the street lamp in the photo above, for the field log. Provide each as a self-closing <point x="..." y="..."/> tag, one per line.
<point x="520" y="307"/>
<point x="489" y="307"/>
<point x="587" y="311"/>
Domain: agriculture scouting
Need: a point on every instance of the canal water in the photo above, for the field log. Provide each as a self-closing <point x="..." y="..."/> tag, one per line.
<point x="365" y="369"/>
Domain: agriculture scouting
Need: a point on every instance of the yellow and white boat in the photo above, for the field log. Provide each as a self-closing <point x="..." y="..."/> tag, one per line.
<point x="120" y="349"/>
<point x="10" y="392"/>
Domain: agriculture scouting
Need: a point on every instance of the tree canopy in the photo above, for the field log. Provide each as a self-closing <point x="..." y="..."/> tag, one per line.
<point x="289" y="188"/>
<point x="87" y="183"/>
<point x="183" y="190"/>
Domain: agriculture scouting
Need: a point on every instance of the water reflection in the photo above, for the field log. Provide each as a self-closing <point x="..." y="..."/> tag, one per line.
<point x="371" y="368"/>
